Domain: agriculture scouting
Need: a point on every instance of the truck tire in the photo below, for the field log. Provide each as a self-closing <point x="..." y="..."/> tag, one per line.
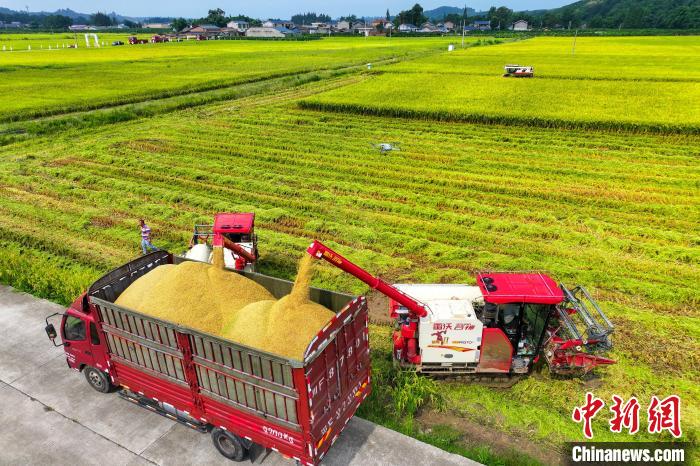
<point x="229" y="445"/>
<point x="97" y="379"/>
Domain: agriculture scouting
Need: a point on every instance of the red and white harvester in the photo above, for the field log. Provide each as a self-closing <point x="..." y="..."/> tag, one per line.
<point x="519" y="71"/>
<point x="500" y="327"/>
<point x="235" y="232"/>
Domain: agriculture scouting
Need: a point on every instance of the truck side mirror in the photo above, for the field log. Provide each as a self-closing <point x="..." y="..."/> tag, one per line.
<point x="51" y="332"/>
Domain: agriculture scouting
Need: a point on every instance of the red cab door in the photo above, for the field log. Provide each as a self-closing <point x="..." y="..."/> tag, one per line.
<point x="75" y="332"/>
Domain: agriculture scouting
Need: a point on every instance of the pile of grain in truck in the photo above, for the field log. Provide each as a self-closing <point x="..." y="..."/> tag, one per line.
<point x="285" y="326"/>
<point x="208" y="298"/>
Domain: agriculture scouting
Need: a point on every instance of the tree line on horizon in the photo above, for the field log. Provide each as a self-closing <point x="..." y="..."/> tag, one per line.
<point x="628" y="14"/>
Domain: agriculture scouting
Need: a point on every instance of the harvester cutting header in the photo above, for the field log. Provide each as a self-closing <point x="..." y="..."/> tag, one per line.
<point x="500" y="327"/>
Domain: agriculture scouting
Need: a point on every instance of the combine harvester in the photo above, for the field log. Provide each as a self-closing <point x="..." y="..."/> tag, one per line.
<point x="493" y="332"/>
<point x="519" y="71"/>
<point x="235" y="232"/>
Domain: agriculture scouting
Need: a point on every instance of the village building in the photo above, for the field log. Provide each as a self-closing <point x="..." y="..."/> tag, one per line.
<point x="481" y="25"/>
<point x="263" y="32"/>
<point x="238" y="25"/>
<point x="520" y="25"/>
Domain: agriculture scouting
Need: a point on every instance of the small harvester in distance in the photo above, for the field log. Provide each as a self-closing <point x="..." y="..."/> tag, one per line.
<point x="519" y="71"/>
<point x="493" y="332"/>
<point x="235" y="232"/>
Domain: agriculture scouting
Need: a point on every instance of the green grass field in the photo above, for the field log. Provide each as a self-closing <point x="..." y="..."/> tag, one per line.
<point x="614" y="210"/>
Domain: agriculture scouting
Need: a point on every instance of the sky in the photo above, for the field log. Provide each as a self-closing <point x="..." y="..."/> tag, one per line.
<point x="263" y="8"/>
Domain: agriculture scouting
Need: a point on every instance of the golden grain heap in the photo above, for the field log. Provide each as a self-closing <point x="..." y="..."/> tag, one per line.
<point x="208" y="298"/>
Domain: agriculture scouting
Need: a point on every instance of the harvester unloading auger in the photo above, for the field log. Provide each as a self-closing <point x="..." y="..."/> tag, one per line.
<point x="501" y="327"/>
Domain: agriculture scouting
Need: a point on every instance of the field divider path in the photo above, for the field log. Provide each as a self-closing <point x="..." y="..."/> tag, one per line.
<point x="18" y="131"/>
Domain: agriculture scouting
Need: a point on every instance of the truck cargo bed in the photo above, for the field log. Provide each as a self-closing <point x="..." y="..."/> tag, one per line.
<point x="295" y="407"/>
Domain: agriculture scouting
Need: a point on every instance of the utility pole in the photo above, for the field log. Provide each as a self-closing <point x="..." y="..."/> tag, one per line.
<point x="573" y="47"/>
<point x="462" y="33"/>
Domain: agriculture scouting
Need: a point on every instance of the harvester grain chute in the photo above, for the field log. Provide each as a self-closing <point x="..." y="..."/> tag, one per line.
<point x="499" y="328"/>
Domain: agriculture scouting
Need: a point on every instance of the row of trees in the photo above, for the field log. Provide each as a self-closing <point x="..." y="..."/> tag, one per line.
<point x="308" y="18"/>
<point x="216" y="17"/>
<point x="413" y="16"/>
<point x="629" y="14"/>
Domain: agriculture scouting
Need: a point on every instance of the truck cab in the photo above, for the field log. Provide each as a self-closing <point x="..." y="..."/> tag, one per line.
<point x="83" y="343"/>
<point x="238" y="228"/>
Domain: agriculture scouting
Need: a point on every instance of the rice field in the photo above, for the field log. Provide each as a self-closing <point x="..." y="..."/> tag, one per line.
<point x="44" y="82"/>
<point x="637" y="84"/>
<point x="604" y="58"/>
<point x="616" y="211"/>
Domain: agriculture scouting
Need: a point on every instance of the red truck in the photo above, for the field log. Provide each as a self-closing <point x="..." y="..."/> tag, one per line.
<point x="246" y="398"/>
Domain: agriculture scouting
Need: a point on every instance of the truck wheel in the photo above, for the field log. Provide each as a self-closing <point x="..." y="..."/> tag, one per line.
<point x="229" y="445"/>
<point x="97" y="379"/>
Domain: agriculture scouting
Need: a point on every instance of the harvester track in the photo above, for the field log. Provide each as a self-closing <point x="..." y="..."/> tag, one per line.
<point x="493" y="381"/>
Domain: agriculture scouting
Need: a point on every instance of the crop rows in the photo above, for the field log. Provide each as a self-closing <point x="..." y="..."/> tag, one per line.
<point x="620" y="84"/>
<point x="616" y="211"/>
<point x="611" y="58"/>
<point x="457" y="198"/>
<point x="43" y="82"/>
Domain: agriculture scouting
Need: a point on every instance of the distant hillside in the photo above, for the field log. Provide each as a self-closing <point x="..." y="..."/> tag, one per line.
<point x="7" y="14"/>
<point x="442" y="11"/>
<point x="675" y="14"/>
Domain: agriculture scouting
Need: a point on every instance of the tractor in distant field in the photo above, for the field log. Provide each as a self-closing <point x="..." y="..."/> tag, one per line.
<point x="519" y="71"/>
<point x="133" y="40"/>
<point x="492" y="332"/>
<point x="235" y="232"/>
